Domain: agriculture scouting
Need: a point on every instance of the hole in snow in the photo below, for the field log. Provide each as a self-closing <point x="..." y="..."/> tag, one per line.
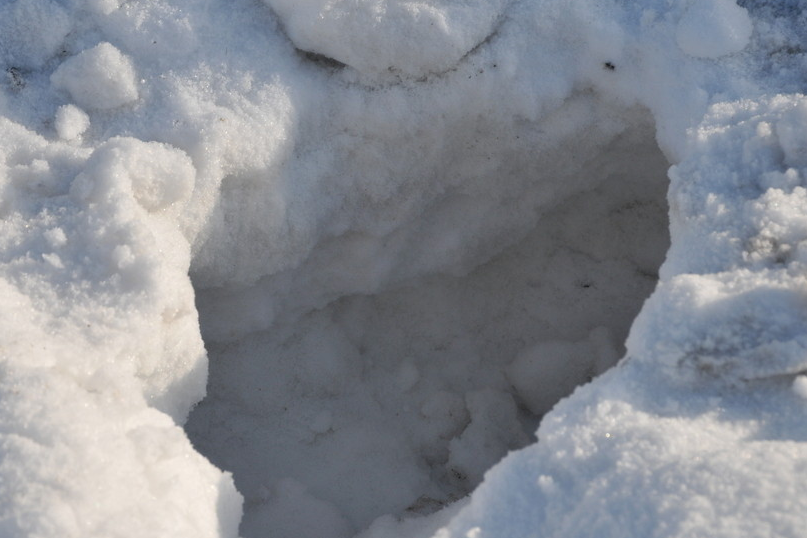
<point x="397" y="401"/>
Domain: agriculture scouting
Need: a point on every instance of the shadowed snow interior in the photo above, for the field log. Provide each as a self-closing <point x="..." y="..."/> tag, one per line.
<point x="385" y="373"/>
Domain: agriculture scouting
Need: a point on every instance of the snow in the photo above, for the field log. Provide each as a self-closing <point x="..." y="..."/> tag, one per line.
<point x="558" y="367"/>
<point x="100" y="77"/>
<point x="33" y="31"/>
<point x="398" y="269"/>
<point x="378" y="36"/>
<point x="713" y="28"/>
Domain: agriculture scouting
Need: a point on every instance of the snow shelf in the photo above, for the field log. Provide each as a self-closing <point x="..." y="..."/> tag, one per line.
<point x="449" y="210"/>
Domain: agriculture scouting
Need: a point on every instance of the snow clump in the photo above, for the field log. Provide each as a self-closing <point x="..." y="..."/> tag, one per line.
<point x="99" y="78"/>
<point x="31" y="32"/>
<point x="438" y="269"/>
<point x="399" y="36"/>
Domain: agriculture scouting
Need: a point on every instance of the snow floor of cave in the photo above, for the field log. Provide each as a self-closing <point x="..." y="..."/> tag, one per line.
<point x="398" y="402"/>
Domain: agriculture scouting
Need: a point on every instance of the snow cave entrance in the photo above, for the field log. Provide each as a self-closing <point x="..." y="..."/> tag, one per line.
<point x="395" y="403"/>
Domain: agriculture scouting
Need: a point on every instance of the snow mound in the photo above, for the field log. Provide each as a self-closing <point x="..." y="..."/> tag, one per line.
<point x="713" y="28"/>
<point x="399" y="36"/>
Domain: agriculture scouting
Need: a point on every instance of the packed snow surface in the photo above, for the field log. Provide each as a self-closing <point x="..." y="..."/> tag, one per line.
<point x="399" y="269"/>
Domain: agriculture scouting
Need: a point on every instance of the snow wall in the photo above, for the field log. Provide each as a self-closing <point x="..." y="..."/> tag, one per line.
<point x="404" y="230"/>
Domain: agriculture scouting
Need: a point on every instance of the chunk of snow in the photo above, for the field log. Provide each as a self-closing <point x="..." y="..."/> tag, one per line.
<point x="99" y="78"/>
<point x="379" y="36"/>
<point x="396" y="264"/>
<point x="71" y="122"/>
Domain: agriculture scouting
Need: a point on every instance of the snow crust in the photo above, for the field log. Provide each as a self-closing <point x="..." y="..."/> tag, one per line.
<point x="404" y="230"/>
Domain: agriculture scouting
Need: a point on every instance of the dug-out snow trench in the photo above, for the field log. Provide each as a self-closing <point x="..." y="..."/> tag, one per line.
<point x="397" y="401"/>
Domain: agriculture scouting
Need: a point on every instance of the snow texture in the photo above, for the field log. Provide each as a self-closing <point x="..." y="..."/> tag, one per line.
<point x="713" y="28"/>
<point x="100" y="78"/>
<point x="399" y="269"/>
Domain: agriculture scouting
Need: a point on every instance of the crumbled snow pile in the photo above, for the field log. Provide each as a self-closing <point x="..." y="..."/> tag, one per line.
<point x="321" y="268"/>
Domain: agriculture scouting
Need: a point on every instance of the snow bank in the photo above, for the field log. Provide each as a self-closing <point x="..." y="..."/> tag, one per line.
<point x="404" y="230"/>
<point x="101" y="354"/>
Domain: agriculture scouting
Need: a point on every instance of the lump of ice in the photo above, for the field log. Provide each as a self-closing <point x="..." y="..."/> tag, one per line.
<point x="98" y="78"/>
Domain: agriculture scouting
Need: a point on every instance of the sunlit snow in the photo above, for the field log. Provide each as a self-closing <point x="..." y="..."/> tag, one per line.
<point x="403" y="269"/>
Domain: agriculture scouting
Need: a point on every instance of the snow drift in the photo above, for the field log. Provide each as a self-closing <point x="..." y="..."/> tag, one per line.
<point x="400" y="232"/>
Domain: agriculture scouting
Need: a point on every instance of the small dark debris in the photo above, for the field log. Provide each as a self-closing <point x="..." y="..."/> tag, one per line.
<point x="609" y="66"/>
<point x="15" y="78"/>
<point x="321" y="59"/>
